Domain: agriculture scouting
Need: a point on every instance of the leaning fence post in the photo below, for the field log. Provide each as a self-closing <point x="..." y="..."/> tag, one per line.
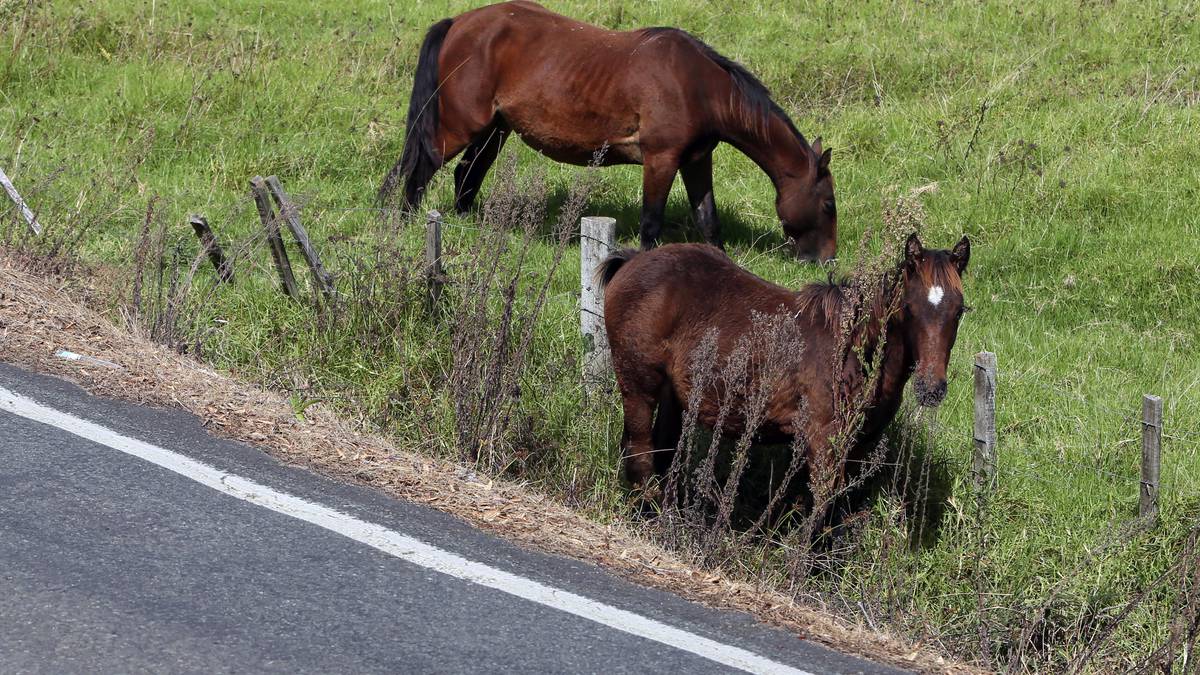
<point x="1151" y="455"/>
<point x="983" y="462"/>
<point x="287" y="211"/>
<point x="212" y="247"/>
<point x="596" y="240"/>
<point x="262" y="200"/>
<point x="435" y="276"/>
<point x="26" y="212"/>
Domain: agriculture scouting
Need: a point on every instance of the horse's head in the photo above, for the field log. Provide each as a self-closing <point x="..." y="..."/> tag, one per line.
<point x="807" y="210"/>
<point x="930" y="311"/>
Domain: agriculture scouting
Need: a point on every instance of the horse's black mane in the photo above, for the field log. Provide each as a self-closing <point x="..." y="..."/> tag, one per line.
<point x="827" y="297"/>
<point x="757" y="96"/>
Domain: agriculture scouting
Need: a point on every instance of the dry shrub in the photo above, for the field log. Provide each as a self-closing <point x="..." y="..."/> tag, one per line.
<point x="55" y="251"/>
<point x="171" y="300"/>
<point x="499" y="300"/>
<point x="381" y="286"/>
<point x="703" y="484"/>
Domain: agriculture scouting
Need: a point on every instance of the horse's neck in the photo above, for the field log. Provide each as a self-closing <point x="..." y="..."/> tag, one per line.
<point x="769" y="141"/>
<point x="883" y="330"/>
<point x="885" y="382"/>
<point x="896" y="366"/>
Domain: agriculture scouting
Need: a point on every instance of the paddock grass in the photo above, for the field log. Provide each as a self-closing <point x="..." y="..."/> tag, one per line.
<point x="1062" y="138"/>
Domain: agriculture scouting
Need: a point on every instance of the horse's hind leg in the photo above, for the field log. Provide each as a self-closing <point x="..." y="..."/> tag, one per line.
<point x="463" y="121"/>
<point x="697" y="178"/>
<point x="474" y="165"/>
<point x="637" y="447"/>
<point x="417" y="181"/>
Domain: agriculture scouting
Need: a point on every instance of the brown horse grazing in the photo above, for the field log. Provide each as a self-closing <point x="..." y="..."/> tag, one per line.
<point x="659" y="305"/>
<point x="656" y="97"/>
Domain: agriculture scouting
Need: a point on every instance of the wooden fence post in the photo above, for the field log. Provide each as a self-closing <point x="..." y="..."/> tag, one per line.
<point x="262" y="200"/>
<point x="434" y="273"/>
<point x="212" y="247"/>
<point x="1151" y="456"/>
<point x="26" y="212"/>
<point x="597" y="238"/>
<point x="983" y="462"/>
<point x="291" y="216"/>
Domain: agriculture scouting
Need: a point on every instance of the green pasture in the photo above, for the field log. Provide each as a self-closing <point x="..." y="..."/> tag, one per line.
<point x="1064" y="139"/>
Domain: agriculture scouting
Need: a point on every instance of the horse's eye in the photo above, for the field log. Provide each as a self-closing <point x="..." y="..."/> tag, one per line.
<point x="964" y="309"/>
<point x="830" y="207"/>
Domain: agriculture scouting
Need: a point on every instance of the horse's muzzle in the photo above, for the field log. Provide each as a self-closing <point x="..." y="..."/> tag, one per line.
<point x="930" y="392"/>
<point x="807" y="256"/>
<point x="809" y="251"/>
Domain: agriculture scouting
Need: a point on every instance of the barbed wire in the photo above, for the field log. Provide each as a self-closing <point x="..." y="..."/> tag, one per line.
<point x="241" y="206"/>
<point x="1167" y="490"/>
<point x="1175" y="433"/>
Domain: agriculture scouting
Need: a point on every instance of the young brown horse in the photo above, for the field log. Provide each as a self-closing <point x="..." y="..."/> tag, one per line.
<point x="659" y="305"/>
<point x="656" y="97"/>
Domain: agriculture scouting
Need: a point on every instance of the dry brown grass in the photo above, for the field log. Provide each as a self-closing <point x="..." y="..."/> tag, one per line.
<point x="38" y="316"/>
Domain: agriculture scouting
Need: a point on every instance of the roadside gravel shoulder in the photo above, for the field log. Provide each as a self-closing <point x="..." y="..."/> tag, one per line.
<point x="38" y="319"/>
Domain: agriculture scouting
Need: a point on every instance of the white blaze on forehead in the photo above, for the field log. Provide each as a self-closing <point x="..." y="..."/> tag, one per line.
<point x="935" y="295"/>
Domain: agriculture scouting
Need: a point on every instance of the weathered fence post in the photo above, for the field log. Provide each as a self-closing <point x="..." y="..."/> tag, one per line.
<point x="26" y="212"/>
<point x="983" y="462"/>
<point x="596" y="240"/>
<point x="435" y="276"/>
<point x="1151" y="455"/>
<point x="291" y="216"/>
<point x="212" y="247"/>
<point x="262" y="200"/>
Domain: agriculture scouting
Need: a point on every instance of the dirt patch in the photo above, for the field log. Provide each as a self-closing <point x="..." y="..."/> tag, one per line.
<point x="38" y="318"/>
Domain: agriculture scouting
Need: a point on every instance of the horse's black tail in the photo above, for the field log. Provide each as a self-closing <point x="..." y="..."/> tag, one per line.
<point x="606" y="270"/>
<point x="420" y="158"/>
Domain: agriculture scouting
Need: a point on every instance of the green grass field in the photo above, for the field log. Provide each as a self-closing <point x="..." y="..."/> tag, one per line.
<point x="1062" y="138"/>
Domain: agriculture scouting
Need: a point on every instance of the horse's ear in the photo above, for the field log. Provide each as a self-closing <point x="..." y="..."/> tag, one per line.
<point x="913" y="248"/>
<point x="822" y="157"/>
<point x="823" y="162"/>
<point x="961" y="254"/>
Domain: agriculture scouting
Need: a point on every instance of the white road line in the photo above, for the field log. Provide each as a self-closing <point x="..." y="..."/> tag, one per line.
<point x="395" y="543"/>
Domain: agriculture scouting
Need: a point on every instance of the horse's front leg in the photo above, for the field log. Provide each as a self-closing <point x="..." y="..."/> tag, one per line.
<point x="826" y="467"/>
<point x="658" y="172"/>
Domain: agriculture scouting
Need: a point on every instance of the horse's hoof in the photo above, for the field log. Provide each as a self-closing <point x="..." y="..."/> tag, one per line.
<point x="646" y="500"/>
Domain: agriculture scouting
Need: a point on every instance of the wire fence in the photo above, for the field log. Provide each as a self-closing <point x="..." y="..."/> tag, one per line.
<point x="1093" y="440"/>
<point x="1092" y="418"/>
<point x="1113" y="437"/>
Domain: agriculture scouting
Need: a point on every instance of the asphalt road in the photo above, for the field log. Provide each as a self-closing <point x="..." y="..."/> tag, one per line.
<point x="117" y="562"/>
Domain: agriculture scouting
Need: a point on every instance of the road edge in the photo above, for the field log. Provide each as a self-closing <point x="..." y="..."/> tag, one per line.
<point x="38" y="319"/>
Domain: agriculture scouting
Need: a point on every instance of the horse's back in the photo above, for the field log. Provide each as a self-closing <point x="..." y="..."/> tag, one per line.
<point x="569" y="87"/>
<point x="684" y="273"/>
<point x="662" y="302"/>
<point x="702" y="275"/>
<point x="522" y="40"/>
